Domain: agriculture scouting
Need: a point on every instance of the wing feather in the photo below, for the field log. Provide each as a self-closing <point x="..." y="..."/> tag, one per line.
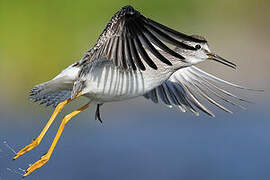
<point x="128" y="57"/>
<point x="191" y="86"/>
<point x="163" y="96"/>
<point x="135" y="54"/>
<point x="146" y="42"/>
<point x="142" y="52"/>
<point x="129" y="36"/>
<point x="174" y="33"/>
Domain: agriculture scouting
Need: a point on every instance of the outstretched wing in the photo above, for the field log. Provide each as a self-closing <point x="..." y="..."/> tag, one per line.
<point x="129" y="37"/>
<point x="187" y="88"/>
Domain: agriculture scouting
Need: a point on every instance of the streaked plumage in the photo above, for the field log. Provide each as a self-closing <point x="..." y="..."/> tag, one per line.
<point x="136" y="56"/>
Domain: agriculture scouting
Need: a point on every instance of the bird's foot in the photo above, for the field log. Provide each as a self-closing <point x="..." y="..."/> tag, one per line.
<point x="43" y="160"/>
<point x="27" y="148"/>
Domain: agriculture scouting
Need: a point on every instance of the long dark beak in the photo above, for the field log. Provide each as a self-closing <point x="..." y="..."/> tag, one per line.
<point x="221" y="60"/>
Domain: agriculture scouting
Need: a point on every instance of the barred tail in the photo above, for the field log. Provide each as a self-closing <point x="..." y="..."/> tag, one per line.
<point x="58" y="89"/>
<point x="49" y="93"/>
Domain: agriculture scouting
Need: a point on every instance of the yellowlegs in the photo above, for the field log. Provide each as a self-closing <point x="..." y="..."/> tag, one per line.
<point x="134" y="56"/>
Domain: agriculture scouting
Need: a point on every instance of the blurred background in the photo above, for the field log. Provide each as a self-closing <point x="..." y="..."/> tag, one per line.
<point x="139" y="139"/>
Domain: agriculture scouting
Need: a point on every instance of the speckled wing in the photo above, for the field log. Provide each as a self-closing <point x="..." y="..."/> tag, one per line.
<point x="130" y="36"/>
<point x="189" y="88"/>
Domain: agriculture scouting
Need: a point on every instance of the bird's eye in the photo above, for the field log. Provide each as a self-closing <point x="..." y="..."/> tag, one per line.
<point x="198" y="46"/>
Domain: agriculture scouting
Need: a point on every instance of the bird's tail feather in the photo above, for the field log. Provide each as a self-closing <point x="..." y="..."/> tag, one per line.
<point x="58" y="89"/>
<point x="49" y="93"/>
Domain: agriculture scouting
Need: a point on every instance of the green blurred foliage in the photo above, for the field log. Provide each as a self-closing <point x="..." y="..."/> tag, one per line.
<point x="38" y="38"/>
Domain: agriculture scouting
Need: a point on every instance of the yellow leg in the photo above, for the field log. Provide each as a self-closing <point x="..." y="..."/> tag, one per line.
<point x="37" y="140"/>
<point x="44" y="159"/>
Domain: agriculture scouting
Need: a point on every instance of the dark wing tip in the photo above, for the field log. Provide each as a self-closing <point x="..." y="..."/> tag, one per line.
<point x="128" y="9"/>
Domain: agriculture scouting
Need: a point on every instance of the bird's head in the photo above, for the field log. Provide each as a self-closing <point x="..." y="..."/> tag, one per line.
<point x="202" y="52"/>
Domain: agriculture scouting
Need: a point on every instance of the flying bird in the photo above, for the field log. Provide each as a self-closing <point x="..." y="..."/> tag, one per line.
<point x="135" y="56"/>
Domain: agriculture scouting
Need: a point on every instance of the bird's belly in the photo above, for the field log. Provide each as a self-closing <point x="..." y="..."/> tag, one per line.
<point x="110" y="83"/>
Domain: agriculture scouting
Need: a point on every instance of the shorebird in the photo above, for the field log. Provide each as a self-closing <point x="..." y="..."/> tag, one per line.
<point x="135" y="56"/>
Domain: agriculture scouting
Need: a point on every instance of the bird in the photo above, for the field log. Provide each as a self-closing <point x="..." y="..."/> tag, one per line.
<point x="135" y="56"/>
